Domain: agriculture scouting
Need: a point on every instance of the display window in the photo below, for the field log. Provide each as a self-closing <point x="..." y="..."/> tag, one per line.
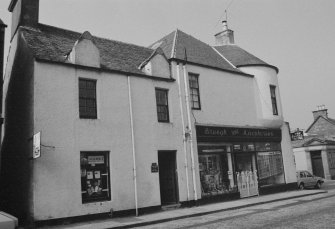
<point x="270" y="168"/>
<point x="216" y="172"/>
<point x="94" y="176"/>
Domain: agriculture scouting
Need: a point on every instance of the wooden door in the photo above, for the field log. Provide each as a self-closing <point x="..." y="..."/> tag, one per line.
<point x="168" y="177"/>
<point x="317" y="165"/>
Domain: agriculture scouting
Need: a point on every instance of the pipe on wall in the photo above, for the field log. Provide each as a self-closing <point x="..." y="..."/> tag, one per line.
<point x="188" y="109"/>
<point x="133" y="144"/>
<point x="184" y="132"/>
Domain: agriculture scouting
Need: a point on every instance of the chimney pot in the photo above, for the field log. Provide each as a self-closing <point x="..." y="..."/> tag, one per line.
<point x="321" y="111"/>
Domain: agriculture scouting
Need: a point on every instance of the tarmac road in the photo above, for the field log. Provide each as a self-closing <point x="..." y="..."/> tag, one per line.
<point x="316" y="211"/>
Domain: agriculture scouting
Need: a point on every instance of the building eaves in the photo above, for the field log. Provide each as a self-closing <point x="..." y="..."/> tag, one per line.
<point x="102" y="69"/>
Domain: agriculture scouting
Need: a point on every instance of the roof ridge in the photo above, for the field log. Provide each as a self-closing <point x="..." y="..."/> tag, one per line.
<point x="174" y="44"/>
<point x="220" y="54"/>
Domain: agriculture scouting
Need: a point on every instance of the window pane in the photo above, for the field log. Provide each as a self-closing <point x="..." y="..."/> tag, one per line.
<point x="94" y="176"/>
<point x="87" y="99"/>
<point x="270" y="168"/>
<point x="162" y="105"/>
<point x="273" y="100"/>
<point x="194" y="91"/>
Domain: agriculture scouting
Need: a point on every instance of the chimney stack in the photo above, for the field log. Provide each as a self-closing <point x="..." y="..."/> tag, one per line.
<point x="226" y="37"/>
<point x="24" y="13"/>
<point x="321" y="111"/>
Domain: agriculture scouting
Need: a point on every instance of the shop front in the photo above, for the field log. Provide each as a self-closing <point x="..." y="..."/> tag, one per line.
<point x="234" y="160"/>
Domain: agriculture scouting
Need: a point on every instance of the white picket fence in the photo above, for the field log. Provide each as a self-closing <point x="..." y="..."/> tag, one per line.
<point x="247" y="183"/>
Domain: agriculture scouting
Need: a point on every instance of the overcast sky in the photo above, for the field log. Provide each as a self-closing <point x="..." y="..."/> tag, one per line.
<point x="297" y="36"/>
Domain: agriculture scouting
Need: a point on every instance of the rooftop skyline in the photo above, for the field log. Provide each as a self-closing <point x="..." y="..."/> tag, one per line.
<point x="295" y="36"/>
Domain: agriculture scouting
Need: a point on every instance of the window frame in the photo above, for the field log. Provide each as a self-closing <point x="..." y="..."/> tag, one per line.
<point x="273" y="96"/>
<point x="166" y="106"/>
<point x="104" y="177"/>
<point x="197" y="89"/>
<point x="86" y="98"/>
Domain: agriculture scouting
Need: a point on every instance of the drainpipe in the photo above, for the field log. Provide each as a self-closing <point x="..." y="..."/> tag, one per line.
<point x="184" y="133"/>
<point x="187" y="101"/>
<point x="133" y="144"/>
<point x="2" y="53"/>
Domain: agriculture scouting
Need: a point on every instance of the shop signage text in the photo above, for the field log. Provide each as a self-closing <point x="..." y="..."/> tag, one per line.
<point x="95" y="159"/>
<point x="215" y="133"/>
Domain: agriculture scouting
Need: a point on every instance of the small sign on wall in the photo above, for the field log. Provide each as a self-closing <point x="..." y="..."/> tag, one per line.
<point x="37" y="145"/>
<point x="154" y="168"/>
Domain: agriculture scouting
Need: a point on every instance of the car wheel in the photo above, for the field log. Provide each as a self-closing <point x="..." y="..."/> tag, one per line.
<point x="301" y="186"/>
<point x="318" y="185"/>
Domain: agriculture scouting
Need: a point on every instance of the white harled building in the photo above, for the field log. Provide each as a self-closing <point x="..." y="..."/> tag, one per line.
<point x="129" y="129"/>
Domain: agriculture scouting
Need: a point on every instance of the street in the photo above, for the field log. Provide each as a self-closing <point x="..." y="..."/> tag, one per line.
<point x="305" y="212"/>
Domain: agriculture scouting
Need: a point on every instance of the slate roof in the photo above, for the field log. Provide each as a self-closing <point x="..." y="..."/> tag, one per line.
<point x="54" y="44"/>
<point x="239" y="57"/>
<point x="330" y="120"/>
<point x="184" y="47"/>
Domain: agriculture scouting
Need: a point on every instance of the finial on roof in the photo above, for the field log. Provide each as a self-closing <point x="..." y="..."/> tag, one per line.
<point x="86" y="35"/>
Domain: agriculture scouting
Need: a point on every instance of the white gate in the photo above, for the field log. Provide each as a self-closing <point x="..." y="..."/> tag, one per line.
<point x="247" y="183"/>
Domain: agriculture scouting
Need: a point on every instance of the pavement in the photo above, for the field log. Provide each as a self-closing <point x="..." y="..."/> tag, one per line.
<point x="182" y="213"/>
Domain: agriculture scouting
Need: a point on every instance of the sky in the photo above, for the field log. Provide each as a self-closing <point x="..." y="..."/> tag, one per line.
<point x="297" y="36"/>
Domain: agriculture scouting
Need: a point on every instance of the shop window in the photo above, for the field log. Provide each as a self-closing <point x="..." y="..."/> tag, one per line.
<point x="194" y="91"/>
<point x="87" y="99"/>
<point x="162" y="105"/>
<point x="215" y="176"/>
<point x="273" y="99"/>
<point x="95" y="184"/>
<point x="270" y="168"/>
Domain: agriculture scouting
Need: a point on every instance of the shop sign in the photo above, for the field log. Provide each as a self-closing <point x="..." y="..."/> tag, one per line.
<point x="154" y="168"/>
<point x="96" y="159"/>
<point x="215" y="133"/>
<point x="37" y="145"/>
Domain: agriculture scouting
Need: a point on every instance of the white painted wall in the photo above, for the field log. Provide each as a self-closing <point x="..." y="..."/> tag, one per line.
<point x="300" y="159"/>
<point x="288" y="156"/>
<point x="226" y="98"/>
<point x="57" y="172"/>
<point x="263" y="78"/>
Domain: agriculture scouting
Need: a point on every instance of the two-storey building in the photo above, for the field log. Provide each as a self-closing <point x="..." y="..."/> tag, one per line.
<point x="93" y="125"/>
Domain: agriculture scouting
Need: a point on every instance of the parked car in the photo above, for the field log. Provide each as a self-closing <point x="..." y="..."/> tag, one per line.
<point x="8" y="221"/>
<point x="306" y="179"/>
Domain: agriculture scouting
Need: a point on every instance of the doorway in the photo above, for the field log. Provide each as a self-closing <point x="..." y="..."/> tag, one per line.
<point x="317" y="165"/>
<point x="168" y="177"/>
<point x="244" y="162"/>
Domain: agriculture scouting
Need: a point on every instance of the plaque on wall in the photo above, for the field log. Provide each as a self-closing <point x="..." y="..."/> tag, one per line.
<point x="154" y="168"/>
